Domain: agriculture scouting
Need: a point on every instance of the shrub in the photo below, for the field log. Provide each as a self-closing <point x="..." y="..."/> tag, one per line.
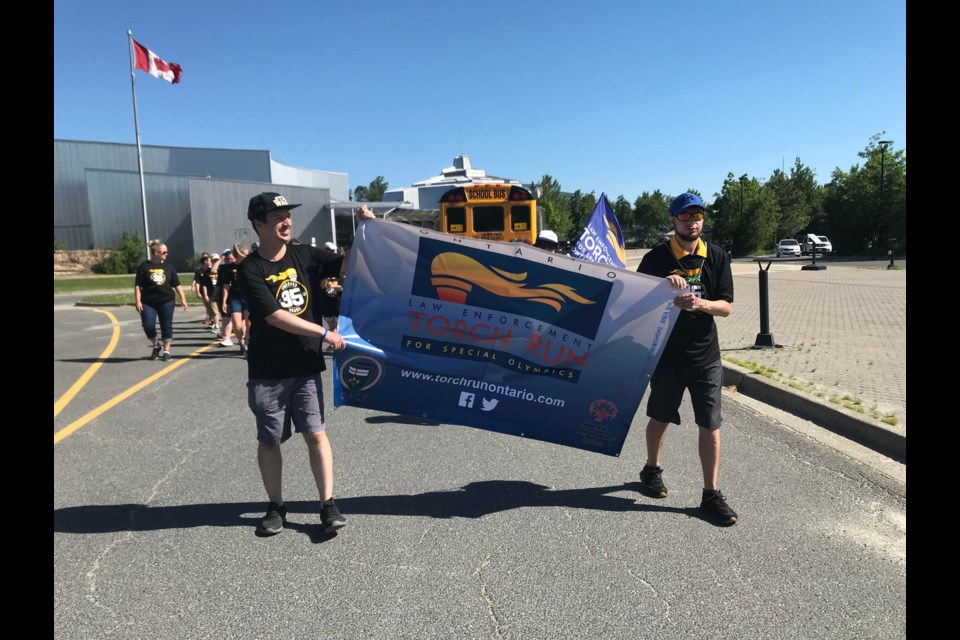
<point x="57" y="245"/>
<point x="125" y="258"/>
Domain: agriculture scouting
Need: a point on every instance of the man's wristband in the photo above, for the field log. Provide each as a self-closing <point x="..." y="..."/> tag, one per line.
<point x="325" y="332"/>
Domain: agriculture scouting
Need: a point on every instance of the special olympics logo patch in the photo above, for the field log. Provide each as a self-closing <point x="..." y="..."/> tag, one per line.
<point x="603" y="410"/>
<point x="359" y="373"/>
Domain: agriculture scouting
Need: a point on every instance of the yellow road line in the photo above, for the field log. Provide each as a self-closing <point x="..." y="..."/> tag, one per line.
<point x="92" y="369"/>
<point x="66" y="431"/>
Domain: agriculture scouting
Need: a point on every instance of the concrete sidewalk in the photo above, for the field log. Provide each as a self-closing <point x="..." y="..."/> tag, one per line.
<point x="840" y="355"/>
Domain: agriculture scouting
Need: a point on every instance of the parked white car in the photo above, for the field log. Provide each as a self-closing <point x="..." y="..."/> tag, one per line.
<point x="809" y="241"/>
<point x="788" y="247"/>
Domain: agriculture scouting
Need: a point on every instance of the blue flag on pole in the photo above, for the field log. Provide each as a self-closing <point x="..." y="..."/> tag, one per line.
<point x="602" y="240"/>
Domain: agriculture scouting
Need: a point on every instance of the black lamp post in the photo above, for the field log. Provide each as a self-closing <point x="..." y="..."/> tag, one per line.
<point x="742" y="178"/>
<point x="883" y="194"/>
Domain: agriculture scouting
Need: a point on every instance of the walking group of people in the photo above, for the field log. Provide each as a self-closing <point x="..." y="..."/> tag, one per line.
<point x="282" y="294"/>
<point x="215" y="282"/>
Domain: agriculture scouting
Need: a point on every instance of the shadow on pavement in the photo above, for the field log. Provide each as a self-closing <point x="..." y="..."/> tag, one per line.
<point x="475" y="500"/>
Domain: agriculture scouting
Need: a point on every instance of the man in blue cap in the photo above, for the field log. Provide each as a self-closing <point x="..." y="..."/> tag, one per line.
<point x="691" y="357"/>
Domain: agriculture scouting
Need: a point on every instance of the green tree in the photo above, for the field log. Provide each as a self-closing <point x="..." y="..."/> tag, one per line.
<point x="556" y="207"/>
<point x="799" y="200"/>
<point x="866" y="206"/>
<point x="377" y="188"/>
<point x="652" y="218"/>
<point x="125" y="258"/>
<point x="373" y="192"/>
<point x="862" y="215"/>
<point x="581" y="206"/>
<point x="744" y="216"/>
<point x="624" y="212"/>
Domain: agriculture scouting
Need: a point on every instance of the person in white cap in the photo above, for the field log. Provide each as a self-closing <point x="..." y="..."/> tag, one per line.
<point x="547" y="240"/>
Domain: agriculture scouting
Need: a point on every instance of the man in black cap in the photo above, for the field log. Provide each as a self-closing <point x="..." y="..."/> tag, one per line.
<point x="691" y="357"/>
<point x="284" y="358"/>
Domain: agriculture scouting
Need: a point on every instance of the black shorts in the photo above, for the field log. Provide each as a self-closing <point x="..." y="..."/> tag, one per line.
<point x="329" y="306"/>
<point x="705" y="385"/>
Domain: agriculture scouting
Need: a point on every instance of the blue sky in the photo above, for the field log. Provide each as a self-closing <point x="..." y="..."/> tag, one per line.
<point x="615" y="96"/>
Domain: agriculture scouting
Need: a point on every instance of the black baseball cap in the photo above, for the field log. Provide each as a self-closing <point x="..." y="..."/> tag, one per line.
<point x="261" y="205"/>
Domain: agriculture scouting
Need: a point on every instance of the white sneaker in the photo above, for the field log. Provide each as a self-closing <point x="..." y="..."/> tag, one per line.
<point x="226" y="342"/>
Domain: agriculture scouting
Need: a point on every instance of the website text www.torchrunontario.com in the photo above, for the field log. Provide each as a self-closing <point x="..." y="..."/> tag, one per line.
<point x="482" y="385"/>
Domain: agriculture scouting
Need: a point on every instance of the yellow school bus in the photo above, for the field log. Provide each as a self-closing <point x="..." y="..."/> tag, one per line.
<point x="491" y="211"/>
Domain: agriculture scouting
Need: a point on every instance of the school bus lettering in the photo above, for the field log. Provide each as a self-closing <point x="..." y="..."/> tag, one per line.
<point x="487" y="193"/>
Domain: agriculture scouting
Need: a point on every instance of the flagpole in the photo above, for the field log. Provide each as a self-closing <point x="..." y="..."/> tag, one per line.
<point x="136" y="124"/>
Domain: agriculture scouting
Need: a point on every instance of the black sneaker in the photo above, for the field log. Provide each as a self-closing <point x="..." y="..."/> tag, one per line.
<point x="155" y="351"/>
<point x="330" y="517"/>
<point x="165" y="356"/>
<point x="273" y="522"/>
<point x="651" y="482"/>
<point x="716" y="509"/>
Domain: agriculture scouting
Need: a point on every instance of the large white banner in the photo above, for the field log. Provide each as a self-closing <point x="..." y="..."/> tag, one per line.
<point x="498" y="336"/>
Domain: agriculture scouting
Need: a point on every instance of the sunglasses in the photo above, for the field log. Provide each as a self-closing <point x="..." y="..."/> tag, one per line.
<point x="162" y="253"/>
<point x="683" y="217"/>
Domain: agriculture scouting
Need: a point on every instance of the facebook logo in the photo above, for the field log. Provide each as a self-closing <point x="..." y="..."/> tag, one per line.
<point x="466" y="399"/>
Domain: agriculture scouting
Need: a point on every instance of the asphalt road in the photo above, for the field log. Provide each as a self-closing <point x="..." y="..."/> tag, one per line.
<point x="453" y="532"/>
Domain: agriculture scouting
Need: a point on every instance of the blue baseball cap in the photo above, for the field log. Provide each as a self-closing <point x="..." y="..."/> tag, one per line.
<point x="684" y="201"/>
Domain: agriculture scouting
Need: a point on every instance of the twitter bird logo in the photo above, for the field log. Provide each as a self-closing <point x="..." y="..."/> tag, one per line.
<point x="489" y="405"/>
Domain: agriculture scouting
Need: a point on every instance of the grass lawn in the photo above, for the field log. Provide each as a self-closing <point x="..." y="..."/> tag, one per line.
<point x="110" y="298"/>
<point x="111" y="289"/>
<point x="77" y="284"/>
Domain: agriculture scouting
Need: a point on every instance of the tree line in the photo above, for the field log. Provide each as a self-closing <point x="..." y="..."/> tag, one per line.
<point x="863" y="211"/>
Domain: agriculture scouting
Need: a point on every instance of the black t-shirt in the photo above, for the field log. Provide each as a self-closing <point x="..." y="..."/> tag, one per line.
<point x="330" y="304"/>
<point x="229" y="278"/>
<point x="292" y="284"/>
<point x="157" y="282"/>
<point x="694" y="341"/>
<point x="208" y="279"/>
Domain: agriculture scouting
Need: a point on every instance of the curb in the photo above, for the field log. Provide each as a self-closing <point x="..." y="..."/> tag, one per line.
<point x="878" y="436"/>
<point x="102" y="304"/>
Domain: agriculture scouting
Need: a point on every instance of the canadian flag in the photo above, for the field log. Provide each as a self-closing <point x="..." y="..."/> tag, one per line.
<point x="148" y="61"/>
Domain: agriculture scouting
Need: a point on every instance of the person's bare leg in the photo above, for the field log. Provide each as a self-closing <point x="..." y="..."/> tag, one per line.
<point x="656" y="435"/>
<point x="709" y="446"/>
<point x="237" y="320"/>
<point x="227" y="328"/>
<point x="270" y="462"/>
<point x="321" y="462"/>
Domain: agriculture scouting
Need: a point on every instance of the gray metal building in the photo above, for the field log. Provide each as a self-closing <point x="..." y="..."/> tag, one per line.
<point x="196" y="198"/>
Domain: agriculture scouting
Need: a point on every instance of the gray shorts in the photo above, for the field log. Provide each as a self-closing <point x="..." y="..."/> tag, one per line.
<point x="277" y="403"/>
<point x="705" y="384"/>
